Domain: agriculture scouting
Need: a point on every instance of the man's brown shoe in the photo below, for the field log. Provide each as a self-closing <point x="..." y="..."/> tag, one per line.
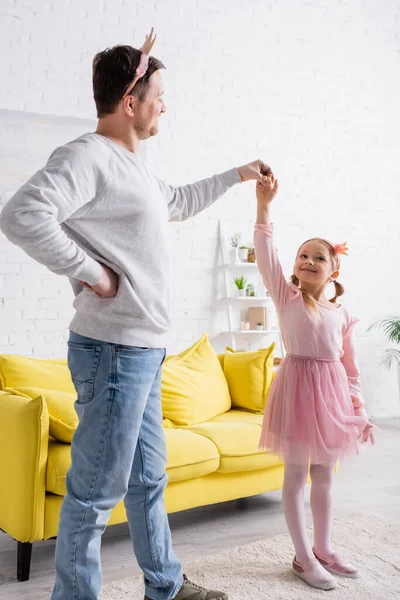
<point x="192" y="591"/>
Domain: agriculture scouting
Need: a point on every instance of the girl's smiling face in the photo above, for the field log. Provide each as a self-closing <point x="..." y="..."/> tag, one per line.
<point x="315" y="265"/>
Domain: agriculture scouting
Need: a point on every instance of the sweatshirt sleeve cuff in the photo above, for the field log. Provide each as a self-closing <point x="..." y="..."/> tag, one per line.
<point x="90" y="272"/>
<point x="231" y="177"/>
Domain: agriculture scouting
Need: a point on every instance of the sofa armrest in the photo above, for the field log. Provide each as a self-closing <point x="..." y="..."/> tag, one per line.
<point x="24" y="438"/>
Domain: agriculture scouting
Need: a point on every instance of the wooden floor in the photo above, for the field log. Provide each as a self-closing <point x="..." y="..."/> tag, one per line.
<point x="368" y="483"/>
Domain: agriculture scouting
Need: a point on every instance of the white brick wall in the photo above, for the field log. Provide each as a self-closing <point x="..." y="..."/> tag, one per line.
<point x="312" y="87"/>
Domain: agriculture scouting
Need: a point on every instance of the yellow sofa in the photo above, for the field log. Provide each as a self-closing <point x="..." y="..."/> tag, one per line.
<point x="209" y="460"/>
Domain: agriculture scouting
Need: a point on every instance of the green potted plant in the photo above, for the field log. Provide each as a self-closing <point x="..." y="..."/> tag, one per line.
<point x="243" y="252"/>
<point x="259" y="326"/>
<point x="250" y="291"/>
<point x="240" y="283"/>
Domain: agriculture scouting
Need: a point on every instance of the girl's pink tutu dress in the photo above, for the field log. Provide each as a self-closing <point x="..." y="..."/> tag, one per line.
<point x="315" y="410"/>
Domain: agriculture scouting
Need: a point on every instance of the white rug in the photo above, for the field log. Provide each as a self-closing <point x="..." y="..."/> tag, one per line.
<point x="261" y="571"/>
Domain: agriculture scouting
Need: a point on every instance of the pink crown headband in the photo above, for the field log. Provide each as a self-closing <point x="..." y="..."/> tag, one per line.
<point x="341" y="249"/>
<point x="144" y="61"/>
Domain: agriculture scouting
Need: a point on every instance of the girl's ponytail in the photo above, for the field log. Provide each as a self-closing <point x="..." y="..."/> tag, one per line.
<point x="339" y="291"/>
<point x="308" y="301"/>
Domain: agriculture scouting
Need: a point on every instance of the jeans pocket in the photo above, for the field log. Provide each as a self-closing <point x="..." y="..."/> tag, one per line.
<point x="83" y="361"/>
<point x="132" y="350"/>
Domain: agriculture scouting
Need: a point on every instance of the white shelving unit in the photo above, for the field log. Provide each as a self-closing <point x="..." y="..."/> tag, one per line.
<point x="229" y="269"/>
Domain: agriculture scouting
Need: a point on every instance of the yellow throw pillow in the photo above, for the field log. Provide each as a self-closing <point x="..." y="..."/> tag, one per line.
<point x="249" y="376"/>
<point x="194" y="388"/>
<point x="63" y="419"/>
<point x="17" y="371"/>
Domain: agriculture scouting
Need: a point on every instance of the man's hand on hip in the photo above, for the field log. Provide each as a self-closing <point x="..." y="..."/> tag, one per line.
<point x="107" y="286"/>
<point x="255" y="170"/>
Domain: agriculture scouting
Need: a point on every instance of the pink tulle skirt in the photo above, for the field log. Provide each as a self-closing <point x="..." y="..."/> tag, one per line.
<point x="309" y="415"/>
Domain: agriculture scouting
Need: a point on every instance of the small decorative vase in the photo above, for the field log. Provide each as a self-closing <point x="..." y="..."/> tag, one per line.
<point x="231" y="256"/>
<point x="251" y="256"/>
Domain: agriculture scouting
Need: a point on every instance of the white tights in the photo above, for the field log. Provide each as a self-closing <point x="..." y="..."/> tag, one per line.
<point x="321" y="507"/>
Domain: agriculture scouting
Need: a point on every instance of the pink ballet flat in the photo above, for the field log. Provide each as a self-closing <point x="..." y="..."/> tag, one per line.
<point x="312" y="573"/>
<point x="335" y="564"/>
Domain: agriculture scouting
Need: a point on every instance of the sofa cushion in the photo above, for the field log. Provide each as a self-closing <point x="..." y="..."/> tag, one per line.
<point x="249" y="376"/>
<point x="63" y="419"/>
<point x="239" y="415"/>
<point x="237" y="442"/>
<point x="221" y="358"/>
<point x="194" y="388"/>
<point x="21" y="371"/>
<point x="189" y="456"/>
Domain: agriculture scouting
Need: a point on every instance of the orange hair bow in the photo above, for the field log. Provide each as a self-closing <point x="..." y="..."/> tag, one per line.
<point x="341" y="249"/>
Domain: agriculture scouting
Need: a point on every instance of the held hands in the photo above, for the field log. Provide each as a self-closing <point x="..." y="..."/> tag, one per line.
<point x="107" y="286"/>
<point x="266" y="190"/>
<point x="255" y="170"/>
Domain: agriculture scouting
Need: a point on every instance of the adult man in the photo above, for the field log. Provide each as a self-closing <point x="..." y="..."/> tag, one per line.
<point x="95" y="214"/>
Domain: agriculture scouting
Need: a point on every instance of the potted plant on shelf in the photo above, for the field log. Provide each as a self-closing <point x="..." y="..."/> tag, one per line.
<point x="259" y="326"/>
<point x="240" y="283"/>
<point x="391" y="329"/>
<point x="243" y="251"/>
<point x="250" y="291"/>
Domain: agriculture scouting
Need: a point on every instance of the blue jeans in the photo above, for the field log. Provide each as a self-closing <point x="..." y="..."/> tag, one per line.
<point x="118" y="451"/>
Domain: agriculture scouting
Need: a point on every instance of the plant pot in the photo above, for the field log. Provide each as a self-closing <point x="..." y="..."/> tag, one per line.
<point x="250" y="291"/>
<point x="243" y="254"/>
<point x="241" y="293"/>
<point x="259" y="327"/>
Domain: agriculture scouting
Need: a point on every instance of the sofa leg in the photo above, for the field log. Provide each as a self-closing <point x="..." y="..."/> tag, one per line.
<point x="24" y="554"/>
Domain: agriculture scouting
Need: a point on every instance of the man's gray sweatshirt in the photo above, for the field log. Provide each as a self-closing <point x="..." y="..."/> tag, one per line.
<point x="96" y="203"/>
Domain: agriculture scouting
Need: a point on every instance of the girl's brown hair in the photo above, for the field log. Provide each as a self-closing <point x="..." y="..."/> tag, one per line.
<point x="339" y="289"/>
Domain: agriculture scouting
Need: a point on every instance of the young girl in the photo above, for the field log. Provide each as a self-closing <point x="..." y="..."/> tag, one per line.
<point x="315" y="412"/>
